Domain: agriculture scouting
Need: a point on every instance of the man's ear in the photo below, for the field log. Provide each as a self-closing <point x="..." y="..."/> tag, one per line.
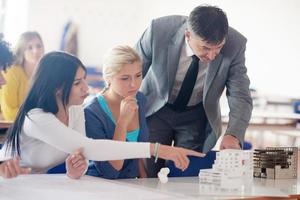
<point x="187" y="34"/>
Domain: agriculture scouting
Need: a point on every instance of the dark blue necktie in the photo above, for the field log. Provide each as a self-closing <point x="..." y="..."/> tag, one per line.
<point x="187" y="86"/>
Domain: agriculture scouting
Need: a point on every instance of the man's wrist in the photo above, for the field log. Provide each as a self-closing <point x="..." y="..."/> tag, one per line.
<point x="230" y="134"/>
<point x="235" y="137"/>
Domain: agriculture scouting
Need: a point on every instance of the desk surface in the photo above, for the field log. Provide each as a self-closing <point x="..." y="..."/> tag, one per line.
<point x="5" y="124"/>
<point x="49" y="187"/>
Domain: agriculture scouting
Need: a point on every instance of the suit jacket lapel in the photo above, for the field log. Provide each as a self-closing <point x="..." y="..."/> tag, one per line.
<point x="174" y="50"/>
<point x="213" y="68"/>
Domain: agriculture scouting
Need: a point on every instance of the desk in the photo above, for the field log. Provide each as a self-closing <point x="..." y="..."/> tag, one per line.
<point x="58" y="186"/>
<point x="5" y="124"/>
<point x="269" y="128"/>
<point x="284" y="122"/>
<point x="268" y="118"/>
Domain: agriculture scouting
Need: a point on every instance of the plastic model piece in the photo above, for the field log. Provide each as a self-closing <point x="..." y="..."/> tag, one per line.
<point x="275" y="162"/>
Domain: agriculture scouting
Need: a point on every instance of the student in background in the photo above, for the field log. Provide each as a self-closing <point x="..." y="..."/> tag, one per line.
<point x="51" y="125"/>
<point x="9" y="168"/>
<point x="117" y="113"/>
<point x="28" y="51"/>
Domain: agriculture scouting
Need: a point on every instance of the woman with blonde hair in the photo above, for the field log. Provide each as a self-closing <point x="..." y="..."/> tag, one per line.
<point x="117" y="113"/>
<point x="28" y="51"/>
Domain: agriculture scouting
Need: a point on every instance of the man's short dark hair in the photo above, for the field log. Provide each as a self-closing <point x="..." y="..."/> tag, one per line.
<point x="208" y="22"/>
<point x="6" y="55"/>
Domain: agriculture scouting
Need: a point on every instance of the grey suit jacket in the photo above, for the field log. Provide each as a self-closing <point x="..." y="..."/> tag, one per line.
<point x="160" y="47"/>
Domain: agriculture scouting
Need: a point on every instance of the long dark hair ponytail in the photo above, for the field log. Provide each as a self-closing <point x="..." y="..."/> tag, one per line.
<point x="56" y="70"/>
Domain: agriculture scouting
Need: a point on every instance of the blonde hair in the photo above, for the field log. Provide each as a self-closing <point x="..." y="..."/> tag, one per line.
<point x="21" y="45"/>
<point x="116" y="58"/>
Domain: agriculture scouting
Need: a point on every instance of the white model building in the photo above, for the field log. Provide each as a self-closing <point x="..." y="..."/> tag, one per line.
<point x="230" y="169"/>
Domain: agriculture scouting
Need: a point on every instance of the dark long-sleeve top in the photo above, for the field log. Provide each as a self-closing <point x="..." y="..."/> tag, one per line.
<point x="100" y="126"/>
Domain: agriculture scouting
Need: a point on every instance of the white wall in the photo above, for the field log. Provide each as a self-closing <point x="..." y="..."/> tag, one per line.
<point x="271" y="26"/>
<point x="15" y="20"/>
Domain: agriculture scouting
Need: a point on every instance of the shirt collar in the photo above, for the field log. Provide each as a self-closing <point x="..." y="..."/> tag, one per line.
<point x="188" y="50"/>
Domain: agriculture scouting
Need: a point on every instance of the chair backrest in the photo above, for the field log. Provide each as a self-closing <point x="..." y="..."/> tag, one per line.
<point x="59" y="169"/>
<point x="247" y="146"/>
<point x="195" y="165"/>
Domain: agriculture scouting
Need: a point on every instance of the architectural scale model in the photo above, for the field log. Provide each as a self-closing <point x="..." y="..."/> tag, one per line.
<point x="275" y="162"/>
<point x="230" y="169"/>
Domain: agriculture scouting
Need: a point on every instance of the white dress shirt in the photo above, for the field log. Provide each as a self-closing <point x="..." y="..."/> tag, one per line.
<point x="184" y="63"/>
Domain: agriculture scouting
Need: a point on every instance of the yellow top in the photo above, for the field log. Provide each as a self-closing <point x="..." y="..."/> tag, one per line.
<point x="13" y="92"/>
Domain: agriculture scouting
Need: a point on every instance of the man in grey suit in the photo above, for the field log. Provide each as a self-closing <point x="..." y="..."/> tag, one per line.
<point x="187" y="63"/>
